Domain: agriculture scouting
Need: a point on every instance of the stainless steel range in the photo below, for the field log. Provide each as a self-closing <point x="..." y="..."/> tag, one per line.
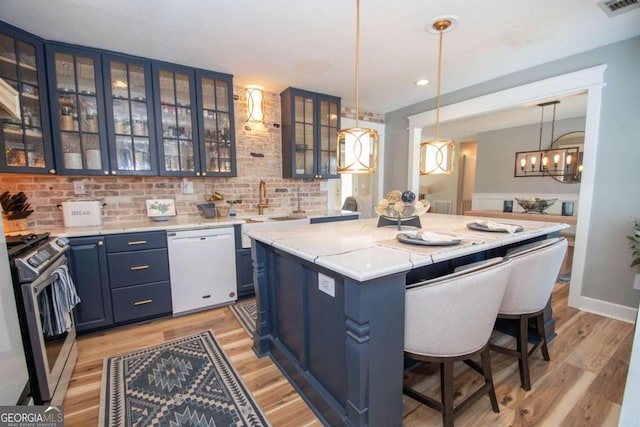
<point x="45" y="297"/>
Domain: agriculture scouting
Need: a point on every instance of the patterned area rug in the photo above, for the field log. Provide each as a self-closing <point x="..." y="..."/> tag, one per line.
<point x="185" y="382"/>
<point x="247" y="314"/>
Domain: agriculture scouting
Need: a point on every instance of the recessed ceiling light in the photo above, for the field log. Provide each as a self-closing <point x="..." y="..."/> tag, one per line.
<point x="422" y="82"/>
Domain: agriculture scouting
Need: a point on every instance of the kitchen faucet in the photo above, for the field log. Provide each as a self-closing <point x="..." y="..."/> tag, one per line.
<point x="263" y="202"/>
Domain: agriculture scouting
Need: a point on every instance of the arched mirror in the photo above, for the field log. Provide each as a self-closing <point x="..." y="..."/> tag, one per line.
<point x="571" y="148"/>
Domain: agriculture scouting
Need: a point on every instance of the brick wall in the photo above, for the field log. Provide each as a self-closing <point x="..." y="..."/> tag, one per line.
<point x="125" y="196"/>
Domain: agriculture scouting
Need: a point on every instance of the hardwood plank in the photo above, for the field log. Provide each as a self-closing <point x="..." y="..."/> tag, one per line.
<point x="582" y="385"/>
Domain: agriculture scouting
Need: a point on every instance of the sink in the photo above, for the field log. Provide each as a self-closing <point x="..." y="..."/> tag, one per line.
<point x="265" y="222"/>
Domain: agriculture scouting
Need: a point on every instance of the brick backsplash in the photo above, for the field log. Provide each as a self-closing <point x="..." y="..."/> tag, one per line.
<point x="125" y="196"/>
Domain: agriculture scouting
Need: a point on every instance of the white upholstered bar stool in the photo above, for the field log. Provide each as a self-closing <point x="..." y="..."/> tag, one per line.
<point x="533" y="275"/>
<point x="450" y="319"/>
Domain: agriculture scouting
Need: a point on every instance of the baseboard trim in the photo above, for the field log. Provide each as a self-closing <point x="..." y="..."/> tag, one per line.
<point x="608" y="309"/>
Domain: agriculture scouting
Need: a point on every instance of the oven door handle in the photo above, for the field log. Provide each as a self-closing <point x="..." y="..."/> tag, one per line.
<point x="45" y="280"/>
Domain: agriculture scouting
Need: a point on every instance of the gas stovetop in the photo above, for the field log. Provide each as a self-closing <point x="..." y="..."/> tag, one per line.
<point x="31" y="254"/>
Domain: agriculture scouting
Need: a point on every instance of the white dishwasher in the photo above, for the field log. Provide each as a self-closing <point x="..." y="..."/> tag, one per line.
<point x="202" y="266"/>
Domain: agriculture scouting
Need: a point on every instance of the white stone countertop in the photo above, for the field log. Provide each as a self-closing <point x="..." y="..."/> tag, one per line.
<point x="175" y="223"/>
<point x="362" y="251"/>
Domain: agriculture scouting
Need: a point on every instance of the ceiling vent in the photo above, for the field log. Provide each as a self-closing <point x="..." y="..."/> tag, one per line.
<point x="616" y="7"/>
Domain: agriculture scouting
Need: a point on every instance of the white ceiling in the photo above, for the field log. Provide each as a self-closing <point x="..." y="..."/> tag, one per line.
<point x="311" y="44"/>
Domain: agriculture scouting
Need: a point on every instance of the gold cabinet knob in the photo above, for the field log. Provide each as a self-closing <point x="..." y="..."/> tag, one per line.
<point x="114" y="172"/>
<point x="52" y="171"/>
<point x="100" y="243"/>
<point x="197" y="173"/>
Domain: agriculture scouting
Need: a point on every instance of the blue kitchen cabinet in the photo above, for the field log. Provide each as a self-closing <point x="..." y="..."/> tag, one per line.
<point x="87" y="259"/>
<point x="310" y="125"/>
<point x="130" y="115"/>
<point x="139" y="275"/>
<point x="25" y="135"/>
<point x="216" y="130"/>
<point x="77" y="110"/>
<point x="194" y="116"/>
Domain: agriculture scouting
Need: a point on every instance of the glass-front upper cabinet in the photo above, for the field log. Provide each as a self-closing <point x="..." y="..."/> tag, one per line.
<point x="216" y="119"/>
<point x="310" y="124"/>
<point x="175" y="111"/>
<point x="78" y="119"/>
<point x="24" y="114"/>
<point x="130" y="121"/>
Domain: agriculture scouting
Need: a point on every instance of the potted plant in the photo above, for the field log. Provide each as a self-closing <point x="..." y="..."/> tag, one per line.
<point x="635" y="244"/>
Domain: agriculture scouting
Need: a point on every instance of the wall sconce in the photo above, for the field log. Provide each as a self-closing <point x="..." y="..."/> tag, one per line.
<point x="254" y="103"/>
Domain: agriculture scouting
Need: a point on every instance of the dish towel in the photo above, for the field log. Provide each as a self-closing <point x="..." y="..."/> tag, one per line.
<point x="492" y="225"/>
<point x="430" y="236"/>
<point x="65" y="298"/>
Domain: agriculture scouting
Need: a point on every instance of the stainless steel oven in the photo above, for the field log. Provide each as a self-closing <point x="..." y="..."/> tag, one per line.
<point x="48" y="331"/>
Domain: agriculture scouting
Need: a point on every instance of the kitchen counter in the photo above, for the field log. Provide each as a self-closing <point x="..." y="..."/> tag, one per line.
<point x="331" y="305"/>
<point x="362" y="251"/>
<point x="175" y="223"/>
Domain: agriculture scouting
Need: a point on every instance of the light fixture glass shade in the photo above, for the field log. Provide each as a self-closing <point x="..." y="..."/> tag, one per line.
<point x="436" y="157"/>
<point x="357" y="150"/>
<point x="254" y="104"/>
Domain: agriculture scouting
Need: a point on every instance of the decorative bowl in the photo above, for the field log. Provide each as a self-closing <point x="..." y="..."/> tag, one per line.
<point x="535" y="204"/>
<point x="402" y="210"/>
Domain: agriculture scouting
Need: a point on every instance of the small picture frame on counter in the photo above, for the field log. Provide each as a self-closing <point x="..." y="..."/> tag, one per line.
<point x="161" y="209"/>
<point x="567" y="208"/>
<point x="507" y="206"/>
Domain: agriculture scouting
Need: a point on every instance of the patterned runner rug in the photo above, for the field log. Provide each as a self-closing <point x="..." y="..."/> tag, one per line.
<point x="247" y="314"/>
<point x="185" y="382"/>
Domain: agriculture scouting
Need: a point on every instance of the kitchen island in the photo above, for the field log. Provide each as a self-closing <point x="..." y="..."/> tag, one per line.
<point x="331" y="305"/>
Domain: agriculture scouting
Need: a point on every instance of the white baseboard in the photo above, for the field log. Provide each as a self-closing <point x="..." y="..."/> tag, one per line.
<point x="608" y="309"/>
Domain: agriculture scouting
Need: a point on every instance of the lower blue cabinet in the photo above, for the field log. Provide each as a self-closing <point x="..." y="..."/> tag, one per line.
<point x="141" y="301"/>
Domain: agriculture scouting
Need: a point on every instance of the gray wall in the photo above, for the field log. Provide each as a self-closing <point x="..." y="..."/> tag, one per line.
<point x="616" y="201"/>
<point x="496" y="153"/>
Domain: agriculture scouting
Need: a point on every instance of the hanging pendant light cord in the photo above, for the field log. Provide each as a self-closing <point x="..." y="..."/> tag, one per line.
<point x="357" y="60"/>
<point x="439" y="83"/>
<point x="541" y="121"/>
<point x="553" y="122"/>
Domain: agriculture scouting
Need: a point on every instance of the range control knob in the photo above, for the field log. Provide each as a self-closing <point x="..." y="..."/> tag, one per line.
<point x="62" y="242"/>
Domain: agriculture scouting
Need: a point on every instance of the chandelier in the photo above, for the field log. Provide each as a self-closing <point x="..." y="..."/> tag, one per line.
<point x="555" y="162"/>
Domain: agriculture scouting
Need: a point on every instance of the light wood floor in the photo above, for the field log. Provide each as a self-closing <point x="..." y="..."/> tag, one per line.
<point x="582" y="385"/>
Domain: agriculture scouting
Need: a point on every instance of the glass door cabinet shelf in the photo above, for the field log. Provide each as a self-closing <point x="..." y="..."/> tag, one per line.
<point x="217" y="136"/>
<point x="78" y="118"/>
<point x="175" y="101"/>
<point x="24" y="114"/>
<point x="130" y="115"/>
<point x="310" y="123"/>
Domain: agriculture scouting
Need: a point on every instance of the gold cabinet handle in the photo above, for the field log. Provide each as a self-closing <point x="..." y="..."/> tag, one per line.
<point x="143" y="302"/>
<point x="100" y="243"/>
<point x="137" y="242"/>
<point x="139" y="267"/>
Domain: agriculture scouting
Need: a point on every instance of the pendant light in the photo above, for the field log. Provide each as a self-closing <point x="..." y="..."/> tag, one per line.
<point x="357" y="147"/>
<point x="556" y="162"/>
<point x="437" y="156"/>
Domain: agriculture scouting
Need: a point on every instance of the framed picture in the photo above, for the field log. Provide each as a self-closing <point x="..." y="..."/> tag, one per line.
<point x="161" y="208"/>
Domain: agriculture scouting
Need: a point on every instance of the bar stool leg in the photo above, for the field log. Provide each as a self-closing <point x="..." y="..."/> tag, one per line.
<point x="488" y="377"/>
<point x="542" y="334"/>
<point x="446" y="381"/>
<point x="522" y="338"/>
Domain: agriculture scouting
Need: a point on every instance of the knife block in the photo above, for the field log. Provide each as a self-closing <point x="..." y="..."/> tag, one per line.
<point x="13" y="225"/>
